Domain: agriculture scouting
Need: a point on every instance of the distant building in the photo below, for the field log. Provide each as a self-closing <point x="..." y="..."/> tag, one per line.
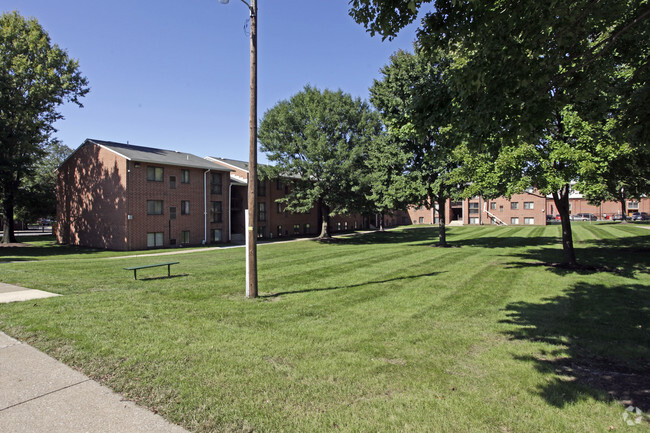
<point x="274" y="221"/>
<point x="123" y="197"/>
<point x="528" y="208"/>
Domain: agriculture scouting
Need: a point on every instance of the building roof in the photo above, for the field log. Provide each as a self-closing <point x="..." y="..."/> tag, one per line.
<point x="157" y="156"/>
<point x="243" y="165"/>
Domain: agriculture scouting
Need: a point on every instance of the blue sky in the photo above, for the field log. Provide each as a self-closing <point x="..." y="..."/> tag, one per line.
<point x="174" y="74"/>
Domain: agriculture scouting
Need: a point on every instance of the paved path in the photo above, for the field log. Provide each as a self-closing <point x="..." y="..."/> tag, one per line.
<point x="11" y="293"/>
<point x="38" y="394"/>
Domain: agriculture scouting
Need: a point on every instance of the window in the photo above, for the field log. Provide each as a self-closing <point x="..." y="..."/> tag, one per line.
<point x="279" y="231"/>
<point x="514" y="205"/>
<point x="529" y="205"/>
<point x="307" y="228"/>
<point x="155" y="174"/>
<point x="185" y="237"/>
<point x="421" y="220"/>
<point x="261" y="231"/>
<point x="261" y="216"/>
<point x="172" y="213"/>
<point x="172" y="182"/>
<point x="216" y="183"/>
<point x="356" y="224"/>
<point x="261" y="187"/>
<point x="338" y="226"/>
<point x="216" y="235"/>
<point x="216" y="212"/>
<point x="633" y="205"/>
<point x="345" y="225"/>
<point x="529" y="221"/>
<point x="154" y="239"/>
<point x="280" y="210"/>
<point x="514" y="221"/>
<point x="296" y="229"/>
<point x="473" y="220"/>
<point x="185" y="207"/>
<point x="278" y="185"/>
<point x="501" y="208"/>
<point x="185" y="176"/>
<point x="473" y="207"/>
<point x="154" y="207"/>
<point x="493" y="206"/>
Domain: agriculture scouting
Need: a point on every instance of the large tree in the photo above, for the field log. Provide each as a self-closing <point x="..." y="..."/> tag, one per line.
<point x="389" y="185"/>
<point x="531" y="81"/>
<point x="36" y="77"/>
<point x="37" y="195"/>
<point x="415" y="106"/>
<point x="318" y="141"/>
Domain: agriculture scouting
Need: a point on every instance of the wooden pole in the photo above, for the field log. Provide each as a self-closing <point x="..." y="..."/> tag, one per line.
<point x="252" y="163"/>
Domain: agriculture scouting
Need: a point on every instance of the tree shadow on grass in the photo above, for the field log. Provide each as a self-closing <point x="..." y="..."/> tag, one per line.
<point x="350" y="286"/>
<point x="50" y="250"/>
<point x="592" y="256"/>
<point x="164" y="277"/>
<point x="398" y="236"/>
<point x="429" y="236"/>
<point x="601" y="343"/>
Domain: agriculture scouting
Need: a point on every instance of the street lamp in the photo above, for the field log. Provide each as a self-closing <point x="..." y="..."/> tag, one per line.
<point x="251" y="223"/>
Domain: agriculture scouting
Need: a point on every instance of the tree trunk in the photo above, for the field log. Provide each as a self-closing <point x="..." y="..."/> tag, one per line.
<point x="561" y="199"/>
<point x="8" y="235"/>
<point x="442" y="201"/>
<point x="325" y="229"/>
<point x="381" y="222"/>
<point x="621" y="198"/>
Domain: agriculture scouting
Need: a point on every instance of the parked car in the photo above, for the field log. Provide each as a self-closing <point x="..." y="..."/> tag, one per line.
<point x="44" y="221"/>
<point x="640" y="216"/>
<point x="617" y="217"/>
<point x="584" y="217"/>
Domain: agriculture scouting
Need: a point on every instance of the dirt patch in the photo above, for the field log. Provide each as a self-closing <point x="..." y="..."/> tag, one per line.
<point x="14" y="245"/>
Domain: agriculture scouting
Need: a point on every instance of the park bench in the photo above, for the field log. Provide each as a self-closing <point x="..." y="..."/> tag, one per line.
<point x="135" y="268"/>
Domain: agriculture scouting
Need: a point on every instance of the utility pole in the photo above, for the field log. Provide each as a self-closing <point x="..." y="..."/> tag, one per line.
<point x="252" y="223"/>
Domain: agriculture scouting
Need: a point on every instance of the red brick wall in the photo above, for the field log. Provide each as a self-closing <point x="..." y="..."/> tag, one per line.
<point x="280" y="223"/>
<point x="505" y="212"/>
<point x="91" y="200"/>
<point x="102" y="202"/>
<point x="473" y="211"/>
<point x="141" y="190"/>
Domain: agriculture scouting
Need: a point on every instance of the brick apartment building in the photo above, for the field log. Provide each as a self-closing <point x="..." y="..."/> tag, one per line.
<point x="274" y="220"/>
<point x="528" y="208"/>
<point x="606" y="210"/>
<point x="124" y="197"/>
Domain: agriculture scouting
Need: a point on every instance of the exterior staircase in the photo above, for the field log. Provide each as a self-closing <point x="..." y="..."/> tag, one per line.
<point x="493" y="217"/>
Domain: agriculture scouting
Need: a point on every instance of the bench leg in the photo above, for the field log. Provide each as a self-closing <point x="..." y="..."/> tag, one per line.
<point x="169" y="271"/>
<point x="135" y="275"/>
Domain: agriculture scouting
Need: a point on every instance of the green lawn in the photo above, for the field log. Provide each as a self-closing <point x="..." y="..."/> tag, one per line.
<point x="374" y="333"/>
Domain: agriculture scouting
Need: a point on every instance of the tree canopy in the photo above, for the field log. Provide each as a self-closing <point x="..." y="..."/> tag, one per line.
<point x="317" y="140"/>
<point x="534" y="84"/>
<point x="36" y="76"/>
<point x="415" y="106"/>
<point x="37" y="194"/>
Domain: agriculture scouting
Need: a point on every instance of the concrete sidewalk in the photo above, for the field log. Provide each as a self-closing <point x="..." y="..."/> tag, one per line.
<point x="39" y="394"/>
<point x="11" y="293"/>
